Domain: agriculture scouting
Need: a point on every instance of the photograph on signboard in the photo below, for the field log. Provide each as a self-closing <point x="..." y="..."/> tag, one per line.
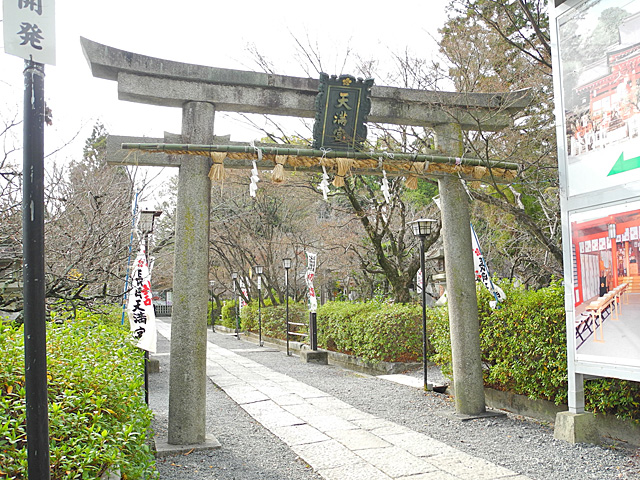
<point x="607" y="285"/>
<point x="600" y="66"/>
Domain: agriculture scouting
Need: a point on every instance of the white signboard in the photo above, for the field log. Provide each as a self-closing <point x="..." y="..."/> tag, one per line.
<point x="30" y="30"/>
<point x="596" y="70"/>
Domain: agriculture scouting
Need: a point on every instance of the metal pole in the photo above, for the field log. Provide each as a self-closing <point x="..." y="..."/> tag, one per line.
<point x="146" y="352"/>
<point x="236" y="309"/>
<point x="313" y="331"/>
<point x="286" y="282"/>
<point x="213" y="322"/>
<point x="35" y="333"/>
<point x="424" y="314"/>
<point x="259" y="314"/>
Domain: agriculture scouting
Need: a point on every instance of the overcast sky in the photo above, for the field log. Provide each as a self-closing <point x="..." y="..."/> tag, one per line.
<point x="209" y="33"/>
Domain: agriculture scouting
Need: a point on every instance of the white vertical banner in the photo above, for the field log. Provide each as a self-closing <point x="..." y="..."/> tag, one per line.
<point x="242" y="284"/>
<point x="419" y="281"/>
<point x="311" y="272"/>
<point x="142" y="318"/>
<point x="482" y="271"/>
<point x="30" y="29"/>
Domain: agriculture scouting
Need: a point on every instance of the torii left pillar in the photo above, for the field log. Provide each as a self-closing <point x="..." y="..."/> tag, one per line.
<point x="187" y="377"/>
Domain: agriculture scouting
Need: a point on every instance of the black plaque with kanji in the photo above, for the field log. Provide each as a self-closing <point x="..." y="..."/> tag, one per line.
<point x="342" y="106"/>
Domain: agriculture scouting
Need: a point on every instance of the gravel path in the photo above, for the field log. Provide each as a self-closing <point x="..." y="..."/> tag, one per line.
<point x="250" y="452"/>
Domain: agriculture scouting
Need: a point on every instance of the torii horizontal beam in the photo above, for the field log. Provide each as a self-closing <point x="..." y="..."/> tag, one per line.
<point x="311" y="160"/>
<point x="155" y="81"/>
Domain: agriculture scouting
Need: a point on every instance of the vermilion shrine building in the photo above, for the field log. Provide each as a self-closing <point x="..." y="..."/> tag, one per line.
<point x="607" y="253"/>
<point x="611" y="86"/>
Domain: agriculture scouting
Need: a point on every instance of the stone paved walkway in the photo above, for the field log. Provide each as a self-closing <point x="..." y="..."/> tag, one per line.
<point x="339" y="441"/>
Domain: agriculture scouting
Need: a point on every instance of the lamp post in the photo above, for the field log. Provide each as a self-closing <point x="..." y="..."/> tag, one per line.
<point x="422" y="228"/>
<point x="146" y="223"/>
<point x="258" y="270"/>
<point x="213" y="322"/>
<point x="286" y="263"/>
<point x="234" y="277"/>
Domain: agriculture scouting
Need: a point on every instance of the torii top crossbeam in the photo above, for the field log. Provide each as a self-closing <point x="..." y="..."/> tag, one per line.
<point x="155" y="81"/>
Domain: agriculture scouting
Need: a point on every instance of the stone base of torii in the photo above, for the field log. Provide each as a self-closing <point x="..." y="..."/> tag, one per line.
<point x="201" y="91"/>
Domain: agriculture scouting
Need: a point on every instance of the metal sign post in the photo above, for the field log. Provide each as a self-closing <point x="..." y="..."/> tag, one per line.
<point x="29" y="33"/>
<point x="35" y="341"/>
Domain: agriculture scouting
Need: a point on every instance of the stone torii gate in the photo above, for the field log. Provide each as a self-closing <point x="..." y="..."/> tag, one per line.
<point x="201" y="91"/>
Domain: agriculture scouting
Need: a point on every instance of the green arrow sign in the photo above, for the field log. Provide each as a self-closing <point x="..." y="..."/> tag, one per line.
<point x="623" y="165"/>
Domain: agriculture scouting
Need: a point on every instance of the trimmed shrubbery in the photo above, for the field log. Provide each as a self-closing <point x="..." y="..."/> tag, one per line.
<point x="98" y="418"/>
<point x="524" y="351"/>
<point x="375" y="331"/>
<point x="229" y="314"/>
<point x="274" y="318"/>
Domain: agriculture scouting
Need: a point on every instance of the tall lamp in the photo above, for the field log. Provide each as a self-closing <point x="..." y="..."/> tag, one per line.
<point x="234" y="277"/>
<point x="422" y="228"/>
<point x="258" y="270"/>
<point x="145" y="223"/>
<point x="286" y="263"/>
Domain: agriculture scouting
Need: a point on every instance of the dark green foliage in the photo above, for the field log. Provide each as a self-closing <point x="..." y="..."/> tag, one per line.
<point x="524" y="351"/>
<point x="375" y="331"/>
<point x="97" y="415"/>
<point x="274" y="319"/>
<point x="229" y="314"/>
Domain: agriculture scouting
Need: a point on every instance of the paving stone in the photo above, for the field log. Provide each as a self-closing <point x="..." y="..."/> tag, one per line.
<point x="395" y="461"/>
<point x="356" y="471"/>
<point x="467" y="467"/>
<point x="299" y="434"/>
<point x="305" y="411"/>
<point x="288" y="399"/>
<point x="271" y="415"/>
<point x="418" y="444"/>
<point x="242" y="394"/>
<point x="358" y="439"/>
<point x="305" y="391"/>
<point x="329" y="423"/>
<point x="371" y="422"/>
<point x="435" y="475"/>
<point x="327" y="454"/>
<point x="224" y="380"/>
<point x="328" y="403"/>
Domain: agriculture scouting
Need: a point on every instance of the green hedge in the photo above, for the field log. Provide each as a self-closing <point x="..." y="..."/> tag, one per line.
<point x="524" y="350"/>
<point x="375" y="331"/>
<point x="274" y="318"/>
<point x="98" y="418"/>
<point x="229" y="314"/>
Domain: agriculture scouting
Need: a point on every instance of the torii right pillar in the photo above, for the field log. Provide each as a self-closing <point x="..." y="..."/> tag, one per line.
<point x="461" y="285"/>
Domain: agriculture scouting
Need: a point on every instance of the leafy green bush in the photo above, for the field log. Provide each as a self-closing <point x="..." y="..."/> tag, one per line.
<point x="229" y="314"/>
<point x="524" y="350"/>
<point x="274" y="318"/>
<point x="97" y="415"/>
<point x="375" y="331"/>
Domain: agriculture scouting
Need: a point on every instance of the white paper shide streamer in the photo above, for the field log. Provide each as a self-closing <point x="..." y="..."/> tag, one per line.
<point x="324" y="184"/>
<point x="385" y="187"/>
<point x="255" y="178"/>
